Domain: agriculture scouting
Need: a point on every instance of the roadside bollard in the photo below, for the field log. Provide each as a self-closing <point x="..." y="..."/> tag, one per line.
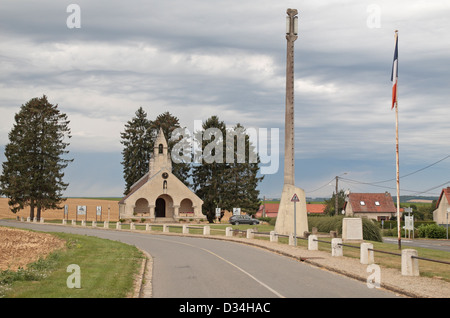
<point x="313" y="245"/>
<point x="336" y="247"/>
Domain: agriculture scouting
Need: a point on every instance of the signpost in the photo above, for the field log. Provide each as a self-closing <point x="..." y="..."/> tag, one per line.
<point x="81" y="210"/>
<point x="409" y="222"/>
<point x="99" y="212"/>
<point x="218" y="211"/>
<point x="295" y="199"/>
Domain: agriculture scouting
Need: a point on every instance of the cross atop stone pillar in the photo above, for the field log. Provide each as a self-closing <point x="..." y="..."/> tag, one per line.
<point x="291" y="36"/>
<point x="290" y="221"/>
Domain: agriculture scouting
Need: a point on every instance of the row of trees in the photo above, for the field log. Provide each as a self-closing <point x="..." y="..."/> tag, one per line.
<point x="36" y="156"/>
<point x="219" y="183"/>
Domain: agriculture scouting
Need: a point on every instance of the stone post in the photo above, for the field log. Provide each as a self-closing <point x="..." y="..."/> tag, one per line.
<point x="165" y="228"/>
<point x="148" y="227"/>
<point x="336" y="247"/>
<point x="64" y="221"/>
<point x="229" y="231"/>
<point x="118" y="226"/>
<point x="94" y="223"/>
<point x="250" y="234"/>
<point x="185" y="229"/>
<point x="83" y="223"/>
<point x="273" y="236"/>
<point x="291" y="239"/>
<point x="132" y="226"/>
<point x="206" y="230"/>
<point x="106" y="224"/>
<point x="410" y="265"/>
<point x="313" y="245"/>
<point x="366" y="256"/>
<point x="74" y="222"/>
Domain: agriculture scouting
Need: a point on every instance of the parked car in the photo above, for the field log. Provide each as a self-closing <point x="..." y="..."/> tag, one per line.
<point x="243" y="219"/>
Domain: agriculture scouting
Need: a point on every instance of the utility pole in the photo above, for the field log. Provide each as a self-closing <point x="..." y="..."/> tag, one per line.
<point x="336" y="196"/>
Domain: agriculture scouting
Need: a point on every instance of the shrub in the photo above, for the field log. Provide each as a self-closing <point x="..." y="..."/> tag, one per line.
<point x="431" y="231"/>
<point x="371" y="231"/>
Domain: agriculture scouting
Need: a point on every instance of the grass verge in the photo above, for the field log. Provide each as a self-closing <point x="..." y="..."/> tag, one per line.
<point x="107" y="270"/>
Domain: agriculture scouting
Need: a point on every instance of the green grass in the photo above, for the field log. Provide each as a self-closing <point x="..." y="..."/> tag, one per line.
<point x="107" y="270"/>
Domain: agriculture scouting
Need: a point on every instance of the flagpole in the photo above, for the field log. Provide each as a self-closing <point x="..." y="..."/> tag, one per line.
<point x="398" y="177"/>
<point x="397" y="163"/>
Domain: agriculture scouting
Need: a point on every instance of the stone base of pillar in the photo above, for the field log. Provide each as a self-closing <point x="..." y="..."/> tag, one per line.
<point x="285" y="217"/>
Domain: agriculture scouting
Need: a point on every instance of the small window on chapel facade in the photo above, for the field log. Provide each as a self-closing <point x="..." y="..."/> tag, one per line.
<point x="160" y="148"/>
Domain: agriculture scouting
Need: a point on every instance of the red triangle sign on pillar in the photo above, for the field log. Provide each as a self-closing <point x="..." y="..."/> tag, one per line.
<point x="295" y="198"/>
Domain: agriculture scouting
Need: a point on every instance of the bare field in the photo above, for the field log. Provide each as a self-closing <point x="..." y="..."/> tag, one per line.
<point x="91" y="205"/>
<point x="19" y="247"/>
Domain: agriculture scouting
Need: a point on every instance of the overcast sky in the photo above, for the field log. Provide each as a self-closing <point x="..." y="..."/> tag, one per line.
<point x="198" y="58"/>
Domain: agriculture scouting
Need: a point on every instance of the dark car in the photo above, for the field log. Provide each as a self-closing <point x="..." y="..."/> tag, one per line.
<point x="243" y="219"/>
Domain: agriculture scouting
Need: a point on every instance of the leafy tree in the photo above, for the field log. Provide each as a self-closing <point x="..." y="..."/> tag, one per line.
<point x="330" y="203"/>
<point x="138" y="146"/>
<point x="225" y="178"/>
<point x="208" y="174"/>
<point x="33" y="171"/>
<point x="242" y="172"/>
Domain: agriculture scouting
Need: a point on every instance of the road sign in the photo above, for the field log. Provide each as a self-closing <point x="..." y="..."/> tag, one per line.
<point x="295" y="198"/>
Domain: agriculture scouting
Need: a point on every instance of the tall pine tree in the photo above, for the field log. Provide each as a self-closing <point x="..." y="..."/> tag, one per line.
<point x="33" y="171"/>
<point x="138" y="146"/>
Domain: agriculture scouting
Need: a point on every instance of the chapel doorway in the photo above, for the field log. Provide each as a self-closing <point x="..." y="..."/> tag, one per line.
<point x="160" y="208"/>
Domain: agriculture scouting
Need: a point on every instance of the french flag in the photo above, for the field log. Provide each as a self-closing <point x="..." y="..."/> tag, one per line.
<point x="394" y="75"/>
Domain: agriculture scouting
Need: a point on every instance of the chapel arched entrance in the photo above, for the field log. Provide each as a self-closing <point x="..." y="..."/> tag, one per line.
<point x="164" y="206"/>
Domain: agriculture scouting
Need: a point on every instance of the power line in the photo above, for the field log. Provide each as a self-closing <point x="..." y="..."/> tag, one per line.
<point x="406" y="175"/>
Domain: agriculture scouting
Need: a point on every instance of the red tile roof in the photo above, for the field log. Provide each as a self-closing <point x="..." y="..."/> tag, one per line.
<point x="371" y="202"/>
<point x="272" y="208"/>
<point x="445" y="192"/>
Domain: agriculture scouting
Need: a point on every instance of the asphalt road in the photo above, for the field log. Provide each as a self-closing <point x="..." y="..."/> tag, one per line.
<point x="186" y="267"/>
<point x="442" y="245"/>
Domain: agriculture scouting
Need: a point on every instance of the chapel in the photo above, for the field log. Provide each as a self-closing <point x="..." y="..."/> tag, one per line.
<point x="159" y="195"/>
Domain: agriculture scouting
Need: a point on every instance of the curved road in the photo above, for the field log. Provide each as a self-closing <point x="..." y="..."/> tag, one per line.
<point x="187" y="267"/>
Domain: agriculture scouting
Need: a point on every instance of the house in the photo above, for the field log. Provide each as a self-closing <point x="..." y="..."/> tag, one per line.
<point x="377" y="206"/>
<point x="442" y="206"/>
<point x="159" y="195"/>
<point x="271" y="209"/>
